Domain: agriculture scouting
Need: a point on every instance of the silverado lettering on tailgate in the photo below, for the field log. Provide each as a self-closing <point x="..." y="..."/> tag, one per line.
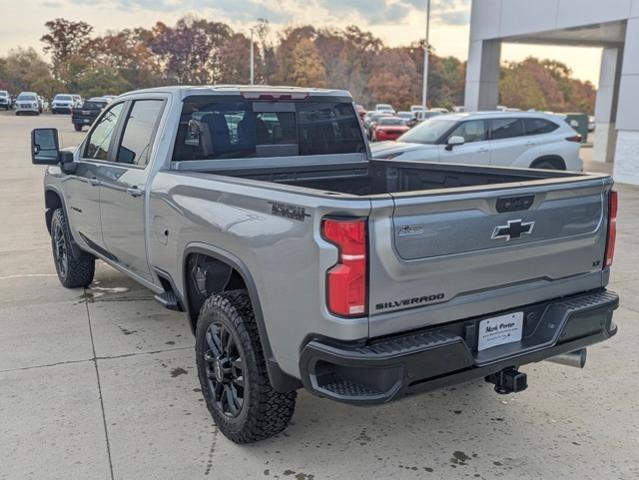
<point x="409" y="301"/>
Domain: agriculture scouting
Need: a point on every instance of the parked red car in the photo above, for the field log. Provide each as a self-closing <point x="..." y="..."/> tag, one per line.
<point x="389" y="128"/>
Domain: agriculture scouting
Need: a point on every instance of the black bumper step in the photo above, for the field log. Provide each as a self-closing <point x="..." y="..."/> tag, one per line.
<point x="383" y="369"/>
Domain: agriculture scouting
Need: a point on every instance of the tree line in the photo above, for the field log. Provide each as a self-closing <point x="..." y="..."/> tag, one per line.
<point x="198" y="51"/>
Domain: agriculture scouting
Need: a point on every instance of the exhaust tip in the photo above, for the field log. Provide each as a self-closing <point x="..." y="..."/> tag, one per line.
<point x="575" y="359"/>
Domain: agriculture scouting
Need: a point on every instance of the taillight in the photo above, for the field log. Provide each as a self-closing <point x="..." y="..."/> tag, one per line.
<point x="575" y="138"/>
<point x="612" y="228"/>
<point x="346" y="282"/>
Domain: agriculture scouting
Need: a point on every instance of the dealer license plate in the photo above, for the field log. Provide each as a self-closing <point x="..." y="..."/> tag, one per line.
<point x="500" y="330"/>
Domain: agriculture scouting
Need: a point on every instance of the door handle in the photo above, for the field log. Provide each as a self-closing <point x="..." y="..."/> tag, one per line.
<point x="134" y="191"/>
<point x="482" y="150"/>
<point x="94" y="181"/>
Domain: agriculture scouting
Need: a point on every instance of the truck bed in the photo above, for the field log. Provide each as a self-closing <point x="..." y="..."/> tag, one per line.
<point x="384" y="177"/>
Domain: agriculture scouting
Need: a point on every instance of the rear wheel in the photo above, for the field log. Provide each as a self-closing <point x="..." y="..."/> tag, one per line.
<point x="232" y="371"/>
<point x="549" y="164"/>
<point x="73" y="271"/>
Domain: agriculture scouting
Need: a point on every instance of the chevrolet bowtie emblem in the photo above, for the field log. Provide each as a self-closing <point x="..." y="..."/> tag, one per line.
<point x="514" y="229"/>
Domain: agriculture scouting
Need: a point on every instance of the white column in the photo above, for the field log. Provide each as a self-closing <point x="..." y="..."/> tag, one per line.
<point x="626" y="169"/>
<point x="482" y="75"/>
<point x="606" y="105"/>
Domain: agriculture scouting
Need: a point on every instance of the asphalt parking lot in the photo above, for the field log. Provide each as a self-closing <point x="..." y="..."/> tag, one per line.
<point x="101" y="383"/>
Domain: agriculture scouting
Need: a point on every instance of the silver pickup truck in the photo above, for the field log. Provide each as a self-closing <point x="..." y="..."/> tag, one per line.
<point x="301" y="262"/>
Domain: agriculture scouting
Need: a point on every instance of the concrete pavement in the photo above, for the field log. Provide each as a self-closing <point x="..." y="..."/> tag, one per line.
<point x="101" y="383"/>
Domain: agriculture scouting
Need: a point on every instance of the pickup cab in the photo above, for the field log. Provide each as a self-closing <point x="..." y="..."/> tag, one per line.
<point x="303" y="263"/>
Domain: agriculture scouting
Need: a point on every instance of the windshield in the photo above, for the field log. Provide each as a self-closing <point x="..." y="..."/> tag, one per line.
<point x="4" y="94"/>
<point x="63" y="98"/>
<point x="26" y="96"/>
<point x="427" y="132"/>
<point x="217" y="128"/>
<point x="391" y="121"/>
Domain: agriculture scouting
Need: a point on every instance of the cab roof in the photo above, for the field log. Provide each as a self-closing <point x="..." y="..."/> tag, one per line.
<point x="188" y="90"/>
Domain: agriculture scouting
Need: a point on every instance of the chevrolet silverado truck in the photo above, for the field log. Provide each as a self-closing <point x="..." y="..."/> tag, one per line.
<point x="303" y="263"/>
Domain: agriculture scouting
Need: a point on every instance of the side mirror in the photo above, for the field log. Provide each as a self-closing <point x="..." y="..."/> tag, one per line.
<point x="454" y="141"/>
<point x="45" y="149"/>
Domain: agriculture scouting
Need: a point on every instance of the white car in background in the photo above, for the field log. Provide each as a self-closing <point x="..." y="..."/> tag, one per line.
<point x="517" y="139"/>
<point x="63" y="103"/>
<point x="27" y="102"/>
<point x="384" y="107"/>
<point x="5" y="100"/>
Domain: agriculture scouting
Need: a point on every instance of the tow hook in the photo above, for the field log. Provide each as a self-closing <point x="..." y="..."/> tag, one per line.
<point x="509" y="380"/>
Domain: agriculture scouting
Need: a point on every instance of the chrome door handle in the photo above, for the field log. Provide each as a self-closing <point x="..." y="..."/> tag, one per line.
<point x="94" y="181"/>
<point x="134" y="191"/>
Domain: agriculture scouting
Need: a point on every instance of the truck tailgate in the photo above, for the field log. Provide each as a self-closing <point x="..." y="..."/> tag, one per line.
<point x="439" y="257"/>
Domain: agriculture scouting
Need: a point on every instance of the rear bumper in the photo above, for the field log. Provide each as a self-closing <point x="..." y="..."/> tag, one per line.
<point x="83" y="120"/>
<point x="388" y="368"/>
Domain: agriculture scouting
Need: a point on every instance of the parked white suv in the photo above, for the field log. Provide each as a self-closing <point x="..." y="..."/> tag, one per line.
<point x="27" y="102"/>
<point x="519" y="139"/>
<point x="5" y="100"/>
<point x="384" y="107"/>
<point x="63" y="103"/>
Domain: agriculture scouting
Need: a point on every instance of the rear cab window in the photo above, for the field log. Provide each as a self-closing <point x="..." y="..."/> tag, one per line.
<point x="216" y="127"/>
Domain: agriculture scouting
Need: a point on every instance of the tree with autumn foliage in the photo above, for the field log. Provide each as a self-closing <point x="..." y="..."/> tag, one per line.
<point x="544" y="85"/>
<point x="307" y="69"/>
<point x="200" y="51"/>
<point x="65" y="43"/>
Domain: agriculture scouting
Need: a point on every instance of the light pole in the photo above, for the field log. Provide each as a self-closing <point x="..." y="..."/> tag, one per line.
<point x="425" y="81"/>
<point x="252" y="59"/>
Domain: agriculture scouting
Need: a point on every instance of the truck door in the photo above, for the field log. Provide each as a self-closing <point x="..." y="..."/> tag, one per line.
<point x="82" y="188"/>
<point x="476" y="149"/>
<point x="123" y="183"/>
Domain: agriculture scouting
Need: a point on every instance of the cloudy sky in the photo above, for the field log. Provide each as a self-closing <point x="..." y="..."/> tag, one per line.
<point x="395" y="21"/>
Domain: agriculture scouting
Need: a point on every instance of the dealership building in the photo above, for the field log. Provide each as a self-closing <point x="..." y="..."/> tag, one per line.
<point x="612" y="25"/>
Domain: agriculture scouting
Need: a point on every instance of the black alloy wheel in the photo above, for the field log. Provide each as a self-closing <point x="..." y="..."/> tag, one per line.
<point x="224" y="370"/>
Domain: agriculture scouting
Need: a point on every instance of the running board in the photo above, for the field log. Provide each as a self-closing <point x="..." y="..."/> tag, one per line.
<point x="169" y="300"/>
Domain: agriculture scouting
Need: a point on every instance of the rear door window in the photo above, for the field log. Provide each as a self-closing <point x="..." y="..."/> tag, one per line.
<point x="501" y="128"/>
<point x="539" y="126"/>
<point x="220" y="128"/>
<point x="139" y="131"/>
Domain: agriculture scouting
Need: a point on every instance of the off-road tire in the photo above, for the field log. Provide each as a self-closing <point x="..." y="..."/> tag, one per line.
<point x="80" y="267"/>
<point x="264" y="412"/>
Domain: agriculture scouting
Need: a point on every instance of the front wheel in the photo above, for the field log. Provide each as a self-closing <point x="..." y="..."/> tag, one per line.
<point x="73" y="271"/>
<point x="232" y="371"/>
<point x="78" y="128"/>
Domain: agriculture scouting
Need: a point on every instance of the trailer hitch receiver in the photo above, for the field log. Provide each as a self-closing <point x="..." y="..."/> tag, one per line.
<point x="509" y="380"/>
